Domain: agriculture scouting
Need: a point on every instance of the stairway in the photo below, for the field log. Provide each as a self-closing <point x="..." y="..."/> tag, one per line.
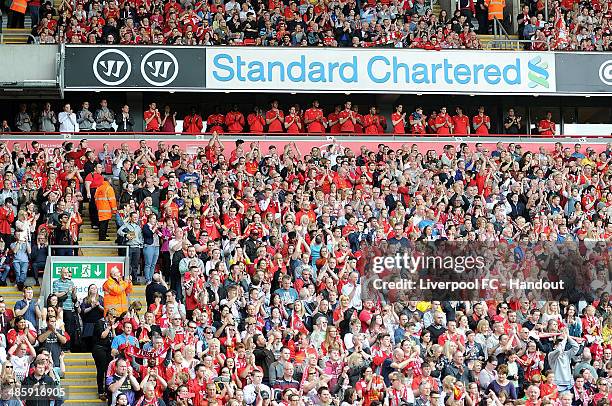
<point x="11" y="295"/>
<point x="15" y="35"/>
<point x="80" y="379"/>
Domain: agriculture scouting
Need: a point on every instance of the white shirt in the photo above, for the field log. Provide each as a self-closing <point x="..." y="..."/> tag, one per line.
<point x="68" y="122"/>
<point x="250" y="396"/>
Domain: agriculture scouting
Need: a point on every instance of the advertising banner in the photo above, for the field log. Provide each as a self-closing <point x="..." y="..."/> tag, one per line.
<point x="133" y="67"/>
<point x="584" y="73"/>
<point x="85" y="271"/>
<point x="379" y="70"/>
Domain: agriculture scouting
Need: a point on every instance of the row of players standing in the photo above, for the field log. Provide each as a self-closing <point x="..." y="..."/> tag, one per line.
<point x="349" y="120"/>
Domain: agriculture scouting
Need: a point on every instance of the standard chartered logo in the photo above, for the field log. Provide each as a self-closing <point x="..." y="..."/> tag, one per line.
<point x="605" y="72"/>
<point x="538" y="73"/>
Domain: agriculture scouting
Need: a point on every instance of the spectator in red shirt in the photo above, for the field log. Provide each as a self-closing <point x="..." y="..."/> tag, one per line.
<point x="398" y="120"/>
<point x="314" y="119"/>
<point x="481" y="122"/>
<point x="293" y="122"/>
<point x="546" y="126"/>
<point x="461" y="122"/>
<point x="256" y="121"/>
<point x="234" y="120"/>
<point x="152" y="118"/>
<point x="443" y="123"/>
<point x="192" y="123"/>
<point x="274" y="118"/>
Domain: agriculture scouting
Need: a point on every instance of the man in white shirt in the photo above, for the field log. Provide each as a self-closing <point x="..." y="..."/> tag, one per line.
<point x="68" y="120"/>
<point x="256" y="390"/>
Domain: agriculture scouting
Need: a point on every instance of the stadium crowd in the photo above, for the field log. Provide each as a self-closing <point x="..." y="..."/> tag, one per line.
<point x="253" y="261"/>
<point x="344" y="119"/>
<point x="564" y="25"/>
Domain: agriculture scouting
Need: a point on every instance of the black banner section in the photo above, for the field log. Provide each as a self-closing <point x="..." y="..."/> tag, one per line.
<point x="134" y="67"/>
<point x="399" y="270"/>
<point x="584" y="73"/>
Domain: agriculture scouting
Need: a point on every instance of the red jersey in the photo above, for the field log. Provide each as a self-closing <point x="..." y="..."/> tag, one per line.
<point x="316" y="126"/>
<point x="419" y="127"/>
<point x="234" y="120"/>
<point x="461" y="124"/>
<point x="276" y="125"/>
<point x="256" y="123"/>
<point x="371" y="124"/>
<point x="296" y="124"/>
<point x="215" y="122"/>
<point x="347" y="126"/>
<point x="399" y="128"/>
<point x="547" y="126"/>
<point x="483" y="120"/>
<point x="445" y="120"/>
<point x="335" y="127"/>
<point x="154" y="124"/>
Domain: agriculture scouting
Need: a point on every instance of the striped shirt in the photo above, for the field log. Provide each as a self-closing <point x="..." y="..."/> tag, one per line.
<point x="65" y="285"/>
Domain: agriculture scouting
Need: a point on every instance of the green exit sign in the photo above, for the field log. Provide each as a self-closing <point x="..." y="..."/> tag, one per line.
<point x="84" y="270"/>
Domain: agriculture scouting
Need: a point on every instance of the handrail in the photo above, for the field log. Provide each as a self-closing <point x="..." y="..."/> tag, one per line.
<point x="496" y="42"/>
<point x="499" y="30"/>
<point x="99" y="246"/>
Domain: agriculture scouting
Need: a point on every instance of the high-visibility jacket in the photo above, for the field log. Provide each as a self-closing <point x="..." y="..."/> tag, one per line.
<point x="19" y="6"/>
<point x="105" y="201"/>
<point x="115" y="295"/>
<point x="496" y="9"/>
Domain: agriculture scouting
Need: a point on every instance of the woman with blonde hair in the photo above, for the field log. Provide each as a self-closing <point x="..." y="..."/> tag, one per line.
<point x="550" y="311"/>
<point x="91" y="310"/>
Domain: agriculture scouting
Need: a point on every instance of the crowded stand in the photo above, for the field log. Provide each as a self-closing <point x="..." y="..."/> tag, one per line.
<point x="559" y="25"/>
<point x="345" y="119"/>
<point x="253" y="261"/>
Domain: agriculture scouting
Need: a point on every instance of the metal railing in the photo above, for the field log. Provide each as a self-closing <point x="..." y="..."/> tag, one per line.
<point x="499" y="32"/>
<point x="510" y="44"/>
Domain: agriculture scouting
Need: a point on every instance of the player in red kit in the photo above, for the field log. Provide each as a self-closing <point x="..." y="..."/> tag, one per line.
<point x="346" y="119"/>
<point x="275" y="118"/>
<point x="461" y="122"/>
<point x="546" y="126"/>
<point x="371" y="122"/>
<point x="481" y="122"/>
<point x="314" y="119"/>
<point x="398" y="120"/>
<point x="256" y="121"/>
<point x="358" y="120"/>
<point x="332" y="121"/>
<point x="215" y="122"/>
<point x="234" y="120"/>
<point x="293" y="122"/>
<point x="444" y="124"/>
<point x="418" y="121"/>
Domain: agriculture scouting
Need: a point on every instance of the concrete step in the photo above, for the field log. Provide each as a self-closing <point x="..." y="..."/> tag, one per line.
<point x="84" y="396"/>
<point x="89" y="402"/>
<point x="70" y="373"/>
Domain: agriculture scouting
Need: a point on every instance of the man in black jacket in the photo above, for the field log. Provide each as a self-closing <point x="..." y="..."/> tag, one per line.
<point x="124" y="120"/>
<point x="39" y="378"/>
<point x="263" y="357"/>
<point x="38" y="257"/>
